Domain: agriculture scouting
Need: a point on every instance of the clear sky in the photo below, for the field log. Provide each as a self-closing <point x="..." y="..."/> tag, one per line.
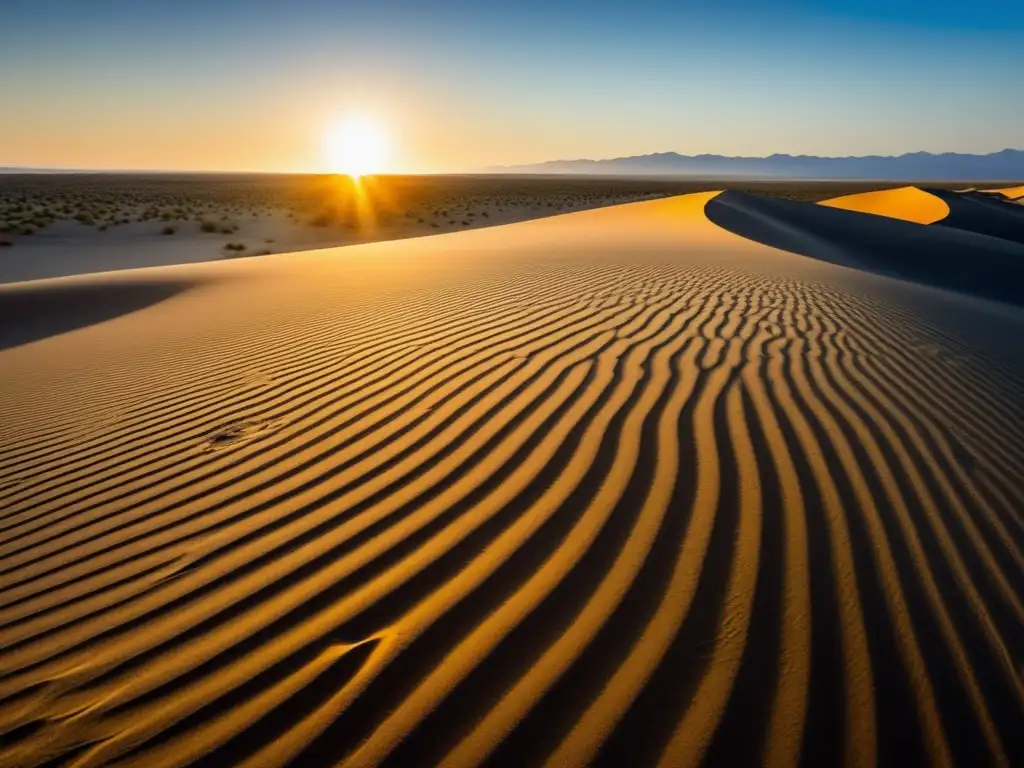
<point x="253" y="84"/>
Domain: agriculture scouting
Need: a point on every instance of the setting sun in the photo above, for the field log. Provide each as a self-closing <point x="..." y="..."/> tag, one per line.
<point x="356" y="148"/>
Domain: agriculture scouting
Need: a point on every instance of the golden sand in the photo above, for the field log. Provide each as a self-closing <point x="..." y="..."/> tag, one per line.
<point x="617" y="487"/>
<point x="1013" y="193"/>
<point x="907" y="203"/>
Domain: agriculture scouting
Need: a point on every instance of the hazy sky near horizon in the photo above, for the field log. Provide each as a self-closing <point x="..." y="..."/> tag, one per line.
<point x="254" y="85"/>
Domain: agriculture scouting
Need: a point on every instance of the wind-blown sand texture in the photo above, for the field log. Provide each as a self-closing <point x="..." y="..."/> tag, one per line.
<point x="615" y="487"/>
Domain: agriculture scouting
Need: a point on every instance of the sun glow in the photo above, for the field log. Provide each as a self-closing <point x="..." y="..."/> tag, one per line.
<point x="356" y="148"/>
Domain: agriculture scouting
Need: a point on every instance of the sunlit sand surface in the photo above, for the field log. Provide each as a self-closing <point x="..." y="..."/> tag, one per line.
<point x="1013" y="193"/>
<point x="702" y="480"/>
<point x="908" y="203"/>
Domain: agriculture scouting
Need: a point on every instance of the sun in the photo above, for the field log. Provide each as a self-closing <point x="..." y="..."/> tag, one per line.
<point x="356" y="148"/>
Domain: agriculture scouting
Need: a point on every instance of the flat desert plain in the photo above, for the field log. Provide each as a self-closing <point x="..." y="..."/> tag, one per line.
<point x="715" y="478"/>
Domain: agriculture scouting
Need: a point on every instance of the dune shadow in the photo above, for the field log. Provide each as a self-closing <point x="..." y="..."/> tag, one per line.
<point x="940" y="256"/>
<point x="30" y="313"/>
<point x="982" y="213"/>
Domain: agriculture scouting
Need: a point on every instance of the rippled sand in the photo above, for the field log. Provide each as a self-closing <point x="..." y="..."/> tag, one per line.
<point x="694" y="480"/>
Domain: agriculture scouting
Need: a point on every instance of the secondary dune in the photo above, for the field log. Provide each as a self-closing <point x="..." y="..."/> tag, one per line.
<point x="1013" y="193"/>
<point x="938" y="255"/>
<point x="984" y="214"/>
<point x="968" y="210"/>
<point x="907" y="203"/>
<point x="616" y="487"/>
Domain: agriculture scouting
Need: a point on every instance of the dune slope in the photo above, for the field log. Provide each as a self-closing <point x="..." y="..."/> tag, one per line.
<point x="615" y="487"/>
<point x="1013" y="193"/>
<point x="907" y="203"/>
<point x="985" y="214"/>
<point x="969" y="210"/>
<point x="941" y="256"/>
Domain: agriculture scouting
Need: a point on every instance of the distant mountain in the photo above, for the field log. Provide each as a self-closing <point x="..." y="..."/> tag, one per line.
<point x="916" y="166"/>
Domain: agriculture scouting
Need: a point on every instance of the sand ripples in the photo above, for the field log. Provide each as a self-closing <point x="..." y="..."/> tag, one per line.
<point x="583" y="511"/>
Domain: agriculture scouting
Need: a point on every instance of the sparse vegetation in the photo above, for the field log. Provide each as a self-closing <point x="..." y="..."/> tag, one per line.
<point x="234" y="247"/>
<point x="324" y="219"/>
<point x="168" y="231"/>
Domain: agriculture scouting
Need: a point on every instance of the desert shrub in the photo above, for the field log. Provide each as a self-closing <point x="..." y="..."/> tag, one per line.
<point x="5" y="243"/>
<point x="168" y="231"/>
<point x="234" y="247"/>
<point x="207" y="226"/>
<point x="85" y="218"/>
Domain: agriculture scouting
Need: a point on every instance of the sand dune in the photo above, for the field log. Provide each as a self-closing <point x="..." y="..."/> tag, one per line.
<point x="967" y="209"/>
<point x="614" y="487"/>
<point x="951" y="254"/>
<point x="1013" y="193"/>
<point x="984" y="214"/>
<point x="907" y="203"/>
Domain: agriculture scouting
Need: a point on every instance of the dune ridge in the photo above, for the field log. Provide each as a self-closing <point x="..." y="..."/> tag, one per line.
<point x="985" y="214"/>
<point x="907" y="203"/>
<point x="614" y="487"/>
<point x="975" y="249"/>
<point x="1013" y="193"/>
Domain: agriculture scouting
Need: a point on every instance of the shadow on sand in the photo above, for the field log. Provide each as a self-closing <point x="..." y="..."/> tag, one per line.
<point x="985" y="214"/>
<point x="944" y="256"/>
<point x="32" y="312"/>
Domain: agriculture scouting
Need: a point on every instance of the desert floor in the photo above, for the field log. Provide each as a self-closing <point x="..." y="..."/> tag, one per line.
<point x="717" y="479"/>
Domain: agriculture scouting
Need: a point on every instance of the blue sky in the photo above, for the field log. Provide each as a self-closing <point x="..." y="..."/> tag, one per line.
<point x="460" y="85"/>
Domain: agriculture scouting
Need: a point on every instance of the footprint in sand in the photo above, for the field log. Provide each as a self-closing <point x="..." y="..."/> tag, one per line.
<point x="239" y="433"/>
<point x="939" y="352"/>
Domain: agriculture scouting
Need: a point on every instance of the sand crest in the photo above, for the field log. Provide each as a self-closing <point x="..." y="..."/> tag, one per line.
<point x="907" y="203"/>
<point x="1012" y="193"/>
<point x="984" y="214"/>
<point x="615" y="487"/>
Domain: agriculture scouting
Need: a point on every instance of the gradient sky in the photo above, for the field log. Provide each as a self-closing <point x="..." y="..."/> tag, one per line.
<point x="251" y="84"/>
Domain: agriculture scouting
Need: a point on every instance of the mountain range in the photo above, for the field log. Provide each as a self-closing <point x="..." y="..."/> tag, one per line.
<point x="915" y="166"/>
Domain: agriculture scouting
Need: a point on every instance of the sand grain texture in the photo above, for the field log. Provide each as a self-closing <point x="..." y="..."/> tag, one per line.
<point x="615" y="487"/>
